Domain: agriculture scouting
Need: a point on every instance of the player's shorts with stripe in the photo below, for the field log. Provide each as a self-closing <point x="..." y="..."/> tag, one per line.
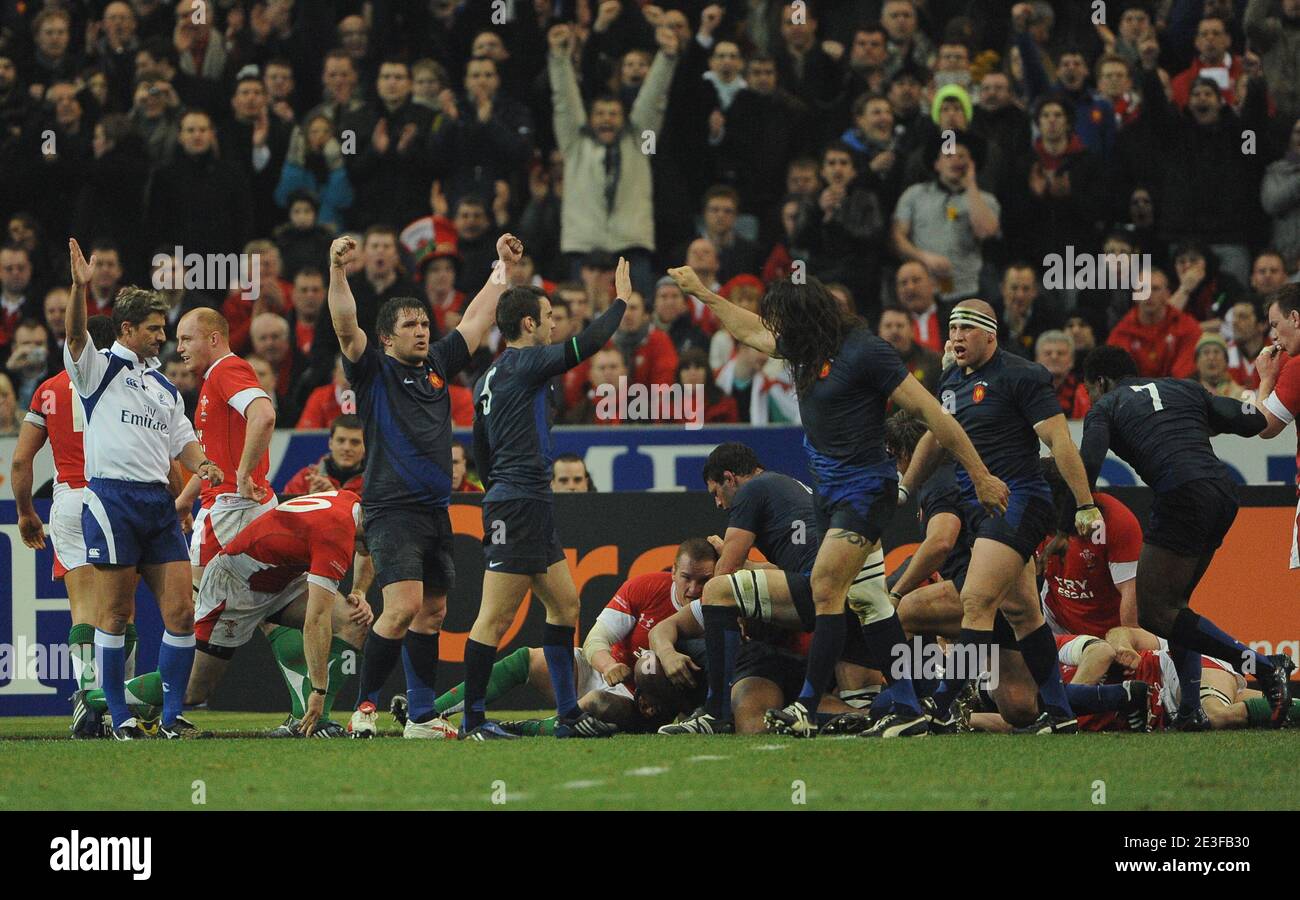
<point x="411" y="544"/>
<point x="863" y="502"/>
<point x="590" y="680"/>
<point x="229" y="611"/>
<point x="1030" y="516"/>
<point x="1295" y="539"/>
<point x="1193" y="518"/>
<point x="519" y="536"/>
<point x="129" y="523"/>
<point x="65" y="532"/>
<point x="759" y="659"/>
<point x="216" y="525"/>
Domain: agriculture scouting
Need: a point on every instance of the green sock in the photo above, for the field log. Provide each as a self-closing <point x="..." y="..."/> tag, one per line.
<point x="507" y="674"/>
<point x="538" y="727"/>
<point x="286" y="645"/>
<point x="81" y="644"/>
<point x="1258" y="712"/>
<point x="132" y="638"/>
<point x="144" y="697"/>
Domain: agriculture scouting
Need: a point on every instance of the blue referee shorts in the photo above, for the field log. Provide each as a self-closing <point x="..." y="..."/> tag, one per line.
<point x="131" y="523"/>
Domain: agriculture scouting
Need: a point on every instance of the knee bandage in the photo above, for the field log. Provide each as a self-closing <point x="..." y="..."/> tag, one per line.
<point x="868" y="595"/>
<point x="750" y="590"/>
<point x="1213" y="693"/>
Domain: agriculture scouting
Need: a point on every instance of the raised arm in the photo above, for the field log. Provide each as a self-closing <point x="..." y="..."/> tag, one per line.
<point x="481" y="313"/>
<point x="343" y="306"/>
<point x="75" y="321"/>
<point x="741" y="324"/>
<point x="566" y="100"/>
<point x="652" y="100"/>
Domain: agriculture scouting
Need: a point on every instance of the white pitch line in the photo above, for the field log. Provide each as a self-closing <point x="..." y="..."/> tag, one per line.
<point x="582" y="783"/>
<point x="771" y="747"/>
<point x="706" y="758"/>
<point x="647" y="770"/>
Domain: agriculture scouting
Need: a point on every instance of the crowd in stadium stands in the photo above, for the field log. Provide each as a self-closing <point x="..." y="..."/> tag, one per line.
<point x="909" y="153"/>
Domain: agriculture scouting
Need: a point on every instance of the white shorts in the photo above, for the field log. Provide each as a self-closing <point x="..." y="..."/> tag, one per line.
<point x="1295" y="538"/>
<point x="216" y="526"/>
<point x="1171" y="689"/>
<point x="228" y="611"/>
<point x="65" y="532"/>
<point x="590" y="680"/>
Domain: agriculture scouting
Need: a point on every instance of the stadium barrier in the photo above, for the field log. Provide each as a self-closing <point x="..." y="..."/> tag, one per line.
<point x="608" y="537"/>
<point x="669" y="458"/>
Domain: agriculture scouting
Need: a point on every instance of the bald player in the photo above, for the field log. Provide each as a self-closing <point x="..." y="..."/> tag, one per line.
<point x="234" y="421"/>
<point x="1006" y="405"/>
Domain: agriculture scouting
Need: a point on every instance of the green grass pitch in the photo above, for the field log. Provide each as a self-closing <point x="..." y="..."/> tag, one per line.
<point x="1232" y="770"/>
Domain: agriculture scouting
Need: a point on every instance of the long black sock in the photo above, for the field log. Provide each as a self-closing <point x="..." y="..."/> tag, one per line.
<point x="420" y="659"/>
<point x="962" y="664"/>
<point x="378" y="657"/>
<point x="827" y="646"/>
<point x="1039" y="650"/>
<point x="1198" y="633"/>
<point x="721" y="644"/>
<point x="882" y="638"/>
<point x="478" y="669"/>
<point x="1003" y="634"/>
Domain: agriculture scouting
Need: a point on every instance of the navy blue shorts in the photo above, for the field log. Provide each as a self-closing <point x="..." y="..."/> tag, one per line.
<point x="131" y="523"/>
<point x="1193" y="518"/>
<point x="411" y="544"/>
<point x="519" y="536"/>
<point x="1030" y="517"/>
<point x="863" y="504"/>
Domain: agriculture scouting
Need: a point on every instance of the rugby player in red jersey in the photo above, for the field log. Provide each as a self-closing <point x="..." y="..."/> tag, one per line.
<point x="285" y="567"/>
<point x="604" y="664"/>
<point x="1279" y="382"/>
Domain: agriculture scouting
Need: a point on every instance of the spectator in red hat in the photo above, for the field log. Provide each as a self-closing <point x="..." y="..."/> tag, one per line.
<point x="438" y="271"/>
<point x="745" y="291"/>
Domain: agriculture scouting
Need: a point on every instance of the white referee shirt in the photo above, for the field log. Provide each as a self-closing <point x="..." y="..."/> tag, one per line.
<point x="135" y="417"/>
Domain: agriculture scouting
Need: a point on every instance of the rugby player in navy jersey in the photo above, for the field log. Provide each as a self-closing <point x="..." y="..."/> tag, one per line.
<point x="935" y="610"/>
<point x="512" y="446"/>
<point x="1006" y="405"/>
<point x="845" y="375"/>
<point x="1162" y="427"/>
<point x="773" y="513"/>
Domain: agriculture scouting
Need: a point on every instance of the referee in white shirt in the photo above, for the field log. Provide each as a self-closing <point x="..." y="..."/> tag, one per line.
<point x="135" y="426"/>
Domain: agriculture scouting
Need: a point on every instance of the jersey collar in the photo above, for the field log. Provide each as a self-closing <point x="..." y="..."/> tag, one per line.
<point x="215" y="364"/>
<point x="119" y="349"/>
